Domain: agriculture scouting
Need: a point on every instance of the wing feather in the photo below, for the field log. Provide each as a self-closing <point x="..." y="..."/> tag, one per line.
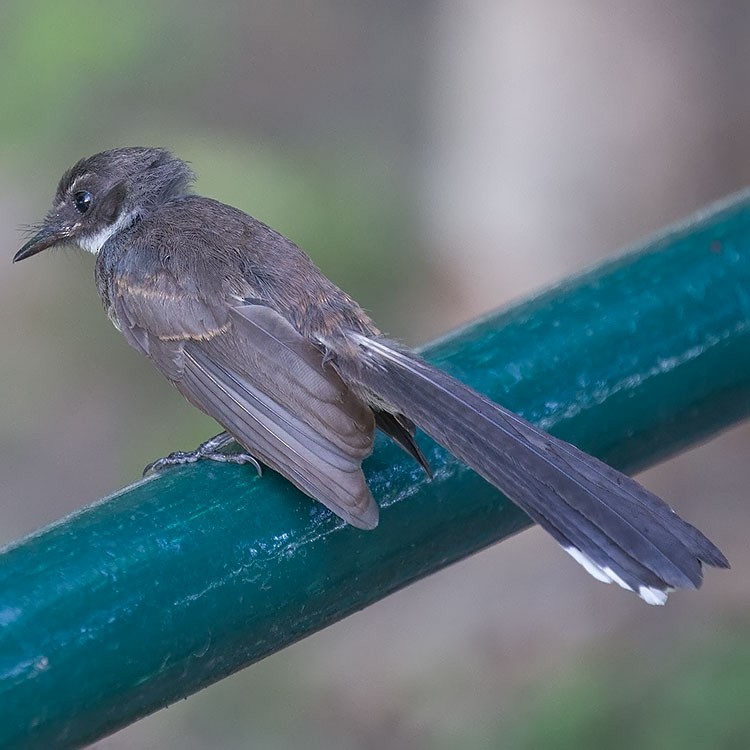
<point x="267" y="385"/>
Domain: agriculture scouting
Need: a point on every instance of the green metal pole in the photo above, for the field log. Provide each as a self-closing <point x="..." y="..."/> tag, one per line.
<point x="174" y="583"/>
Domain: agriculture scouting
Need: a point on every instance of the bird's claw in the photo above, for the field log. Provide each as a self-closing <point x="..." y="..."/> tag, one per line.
<point x="212" y="450"/>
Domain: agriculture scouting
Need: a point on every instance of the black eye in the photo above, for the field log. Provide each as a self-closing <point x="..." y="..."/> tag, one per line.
<point x="82" y="200"/>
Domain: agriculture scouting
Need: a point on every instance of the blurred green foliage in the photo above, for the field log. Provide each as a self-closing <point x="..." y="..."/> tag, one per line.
<point x="62" y="57"/>
<point x="617" y="700"/>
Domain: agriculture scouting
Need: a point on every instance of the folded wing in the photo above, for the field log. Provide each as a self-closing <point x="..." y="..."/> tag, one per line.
<point x="270" y="388"/>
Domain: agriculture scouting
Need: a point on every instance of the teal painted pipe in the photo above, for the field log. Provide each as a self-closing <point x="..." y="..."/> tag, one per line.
<point x="174" y="583"/>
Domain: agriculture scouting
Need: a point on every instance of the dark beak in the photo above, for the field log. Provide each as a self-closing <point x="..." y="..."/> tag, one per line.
<point x="46" y="237"/>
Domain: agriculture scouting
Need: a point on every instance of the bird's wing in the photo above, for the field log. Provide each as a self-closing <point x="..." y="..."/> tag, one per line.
<point x="268" y="386"/>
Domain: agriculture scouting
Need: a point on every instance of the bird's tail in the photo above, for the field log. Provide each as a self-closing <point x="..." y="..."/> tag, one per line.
<point x="618" y="530"/>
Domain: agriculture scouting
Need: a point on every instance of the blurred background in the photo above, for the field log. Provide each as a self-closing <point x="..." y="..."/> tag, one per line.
<point x="437" y="160"/>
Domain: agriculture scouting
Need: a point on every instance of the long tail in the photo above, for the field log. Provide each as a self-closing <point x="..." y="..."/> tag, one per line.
<point x="619" y="531"/>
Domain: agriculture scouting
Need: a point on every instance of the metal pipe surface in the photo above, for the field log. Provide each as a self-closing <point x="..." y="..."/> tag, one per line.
<point x="175" y="582"/>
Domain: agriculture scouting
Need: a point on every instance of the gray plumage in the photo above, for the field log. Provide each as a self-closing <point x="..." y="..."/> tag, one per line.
<point x="248" y="329"/>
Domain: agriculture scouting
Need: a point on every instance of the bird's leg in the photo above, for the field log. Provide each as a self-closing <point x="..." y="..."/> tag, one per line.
<point x="213" y="450"/>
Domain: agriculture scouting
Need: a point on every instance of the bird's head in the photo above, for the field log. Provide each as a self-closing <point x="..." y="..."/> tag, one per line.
<point x="105" y="193"/>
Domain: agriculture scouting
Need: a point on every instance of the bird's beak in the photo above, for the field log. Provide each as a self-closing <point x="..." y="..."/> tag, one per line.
<point x="46" y="237"/>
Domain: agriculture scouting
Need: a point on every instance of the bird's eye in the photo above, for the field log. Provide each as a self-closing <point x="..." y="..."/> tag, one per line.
<point x="82" y="200"/>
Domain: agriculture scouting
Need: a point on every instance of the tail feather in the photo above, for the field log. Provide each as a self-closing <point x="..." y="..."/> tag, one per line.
<point x="619" y="531"/>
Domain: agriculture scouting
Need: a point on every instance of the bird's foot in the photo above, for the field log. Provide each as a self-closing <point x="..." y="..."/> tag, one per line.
<point x="213" y="450"/>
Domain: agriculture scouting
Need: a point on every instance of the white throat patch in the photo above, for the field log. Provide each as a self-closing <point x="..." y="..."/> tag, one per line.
<point x="93" y="243"/>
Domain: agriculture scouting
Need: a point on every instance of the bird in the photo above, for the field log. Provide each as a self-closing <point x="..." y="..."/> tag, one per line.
<point x="242" y="322"/>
